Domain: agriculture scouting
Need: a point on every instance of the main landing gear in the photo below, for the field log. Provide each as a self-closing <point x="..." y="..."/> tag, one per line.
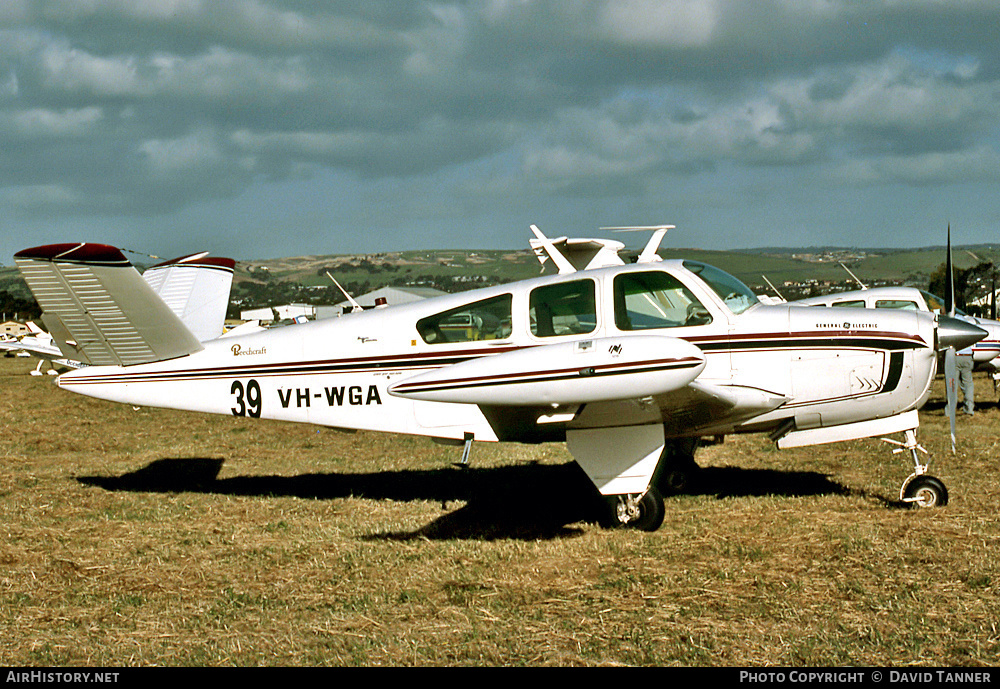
<point x="644" y="512"/>
<point x="920" y="488"/>
<point x="675" y="472"/>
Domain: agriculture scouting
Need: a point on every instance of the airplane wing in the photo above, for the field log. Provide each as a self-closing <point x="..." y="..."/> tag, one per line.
<point x="98" y="308"/>
<point x="196" y="288"/>
<point x="699" y="408"/>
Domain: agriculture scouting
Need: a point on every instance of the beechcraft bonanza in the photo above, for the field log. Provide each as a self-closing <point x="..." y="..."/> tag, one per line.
<point x="628" y="364"/>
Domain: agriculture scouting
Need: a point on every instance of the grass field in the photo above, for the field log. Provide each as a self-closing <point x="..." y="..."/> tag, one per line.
<point x="137" y="537"/>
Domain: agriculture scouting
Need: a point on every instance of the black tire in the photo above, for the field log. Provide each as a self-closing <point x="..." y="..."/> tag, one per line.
<point x="677" y="475"/>
<point x="650" y="517"/>
<point x="926" y="491"/>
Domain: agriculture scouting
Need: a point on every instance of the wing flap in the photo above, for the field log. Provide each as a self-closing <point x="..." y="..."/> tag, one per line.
<point x="99" y="309"/>
<point x="697" y="408"/>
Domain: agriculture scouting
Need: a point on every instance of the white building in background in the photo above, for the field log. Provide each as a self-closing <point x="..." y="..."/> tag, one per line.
<point x="288" y="312"/>
<point x="285" y="312"/>
<point x="13" y="329"/>
<point x="392" y="296"/>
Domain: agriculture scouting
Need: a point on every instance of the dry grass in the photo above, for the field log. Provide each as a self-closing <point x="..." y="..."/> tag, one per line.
<point x="153" y="537"/>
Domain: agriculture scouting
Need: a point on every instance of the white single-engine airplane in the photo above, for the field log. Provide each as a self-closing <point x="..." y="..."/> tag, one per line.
<point x="629" y="364"/>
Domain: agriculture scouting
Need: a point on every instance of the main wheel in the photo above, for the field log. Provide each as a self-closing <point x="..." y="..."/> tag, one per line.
<point x="677" y="469"/>
<point x="926" y="491"/>
<point x="645" y="514"/>
<point x="676" y="475"/>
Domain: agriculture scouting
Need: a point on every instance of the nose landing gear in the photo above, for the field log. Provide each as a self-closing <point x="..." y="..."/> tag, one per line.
<point x="920" y="489"/>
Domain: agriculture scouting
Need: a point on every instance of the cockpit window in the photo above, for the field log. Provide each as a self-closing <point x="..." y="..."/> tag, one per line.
<point x="566" y="308"/>
<point x="483" y="320"/>
<point x="936" y="303"/>
<point x="655" y="300"/>
<point x="737" y="296"/>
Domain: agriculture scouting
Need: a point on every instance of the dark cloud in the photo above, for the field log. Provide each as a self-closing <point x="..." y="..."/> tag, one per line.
<point x="130" y="108"/>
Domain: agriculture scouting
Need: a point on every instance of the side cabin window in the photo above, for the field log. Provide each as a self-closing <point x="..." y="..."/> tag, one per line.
<point x="482" y="320"/>
<point x="655" y="300"/>
<point x="853" y="304"/>
<point x="566" y="308"/>
<point x="904" y="304"/>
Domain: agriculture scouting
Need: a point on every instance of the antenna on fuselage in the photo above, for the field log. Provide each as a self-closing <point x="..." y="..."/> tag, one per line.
<point x="863" y="285"/>
<point x="780" y="295"/>
<point x="648" y="254"/>
<point x="355" y="306"/>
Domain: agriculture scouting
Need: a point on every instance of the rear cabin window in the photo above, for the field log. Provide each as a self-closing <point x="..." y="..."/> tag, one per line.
<point x="656" y="299"/>
<point x="483" y="320"/>
<point x="566" y="308"/>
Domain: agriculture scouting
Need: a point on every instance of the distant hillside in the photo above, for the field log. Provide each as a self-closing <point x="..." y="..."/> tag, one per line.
<point x="794" y="271"/>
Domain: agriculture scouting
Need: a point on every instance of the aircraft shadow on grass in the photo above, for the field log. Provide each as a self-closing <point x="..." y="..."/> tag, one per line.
<point x="527" y="501"/>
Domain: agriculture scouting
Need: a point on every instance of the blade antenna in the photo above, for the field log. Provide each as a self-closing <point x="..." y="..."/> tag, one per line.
<point x="863" y="285"/>
<point x="780" y="295"/>
<point x="355" y="306"/>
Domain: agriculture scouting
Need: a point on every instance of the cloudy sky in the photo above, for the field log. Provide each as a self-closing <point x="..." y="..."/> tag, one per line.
<point x="265" y="128"/>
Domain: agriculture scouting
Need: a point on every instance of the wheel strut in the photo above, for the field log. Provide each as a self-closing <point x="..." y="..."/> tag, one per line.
<point x="920" y="488"/>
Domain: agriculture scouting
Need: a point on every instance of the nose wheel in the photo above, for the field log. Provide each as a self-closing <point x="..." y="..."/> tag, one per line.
<point x="920" y="489"/>
<point x="924" y="491"/>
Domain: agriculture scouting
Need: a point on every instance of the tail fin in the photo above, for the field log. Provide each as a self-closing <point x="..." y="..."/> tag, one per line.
<point x="571" y="255"/>
<point x="196" y="288"/>
<point x="98" y="308"/>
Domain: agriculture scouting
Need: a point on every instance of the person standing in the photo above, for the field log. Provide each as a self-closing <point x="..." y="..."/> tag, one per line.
<point x="964" y="364"/>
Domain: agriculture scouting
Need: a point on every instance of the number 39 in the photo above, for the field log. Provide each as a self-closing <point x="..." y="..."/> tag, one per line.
<point x="248" y="404"/>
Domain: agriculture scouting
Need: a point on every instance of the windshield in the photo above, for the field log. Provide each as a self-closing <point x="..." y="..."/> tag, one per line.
<point x="737" y="296"/>
<point x="936" y="303"/>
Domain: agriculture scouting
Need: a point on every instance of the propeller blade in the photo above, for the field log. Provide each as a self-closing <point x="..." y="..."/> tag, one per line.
<point x="951" y="389"/>
<point x="949" y="296"/>
<point x="950" y="354"/>
<point x="993" y="294"/>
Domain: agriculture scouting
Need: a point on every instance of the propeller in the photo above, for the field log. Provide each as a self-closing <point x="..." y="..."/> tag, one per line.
<point x="950" y="363"/>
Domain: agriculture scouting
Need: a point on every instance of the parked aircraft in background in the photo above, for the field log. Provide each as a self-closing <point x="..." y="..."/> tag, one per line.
<point x="39" y="344"/>
<point x="628" y="364"/>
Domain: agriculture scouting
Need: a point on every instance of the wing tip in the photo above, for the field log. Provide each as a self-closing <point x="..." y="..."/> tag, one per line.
<point x="200" y="261"/>
<point x="91" y="254"/>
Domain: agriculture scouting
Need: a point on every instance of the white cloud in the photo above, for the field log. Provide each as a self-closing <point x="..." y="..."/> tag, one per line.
<point x="43" y="122"/>
<point x="976" y="165"/>
<point x="192" y="154"/>
<point x="671" y="23"/>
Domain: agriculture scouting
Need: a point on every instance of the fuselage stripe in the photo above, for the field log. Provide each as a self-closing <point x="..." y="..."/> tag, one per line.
<point x="429" y="360"/>
<point x="550" y="376"/>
